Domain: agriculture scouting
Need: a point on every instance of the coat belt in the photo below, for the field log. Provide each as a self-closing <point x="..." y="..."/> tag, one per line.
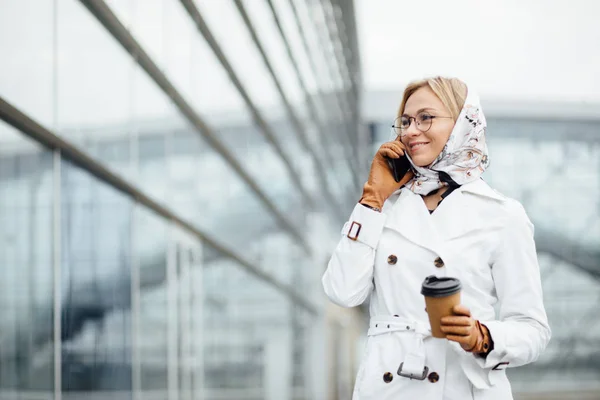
<point x="413" y="363"/>
<point x="384" y="324"/>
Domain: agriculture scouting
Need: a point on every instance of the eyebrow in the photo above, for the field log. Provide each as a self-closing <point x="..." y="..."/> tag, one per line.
<point x="419" y="111"/>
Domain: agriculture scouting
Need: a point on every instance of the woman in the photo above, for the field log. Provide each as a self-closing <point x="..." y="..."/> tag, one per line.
<point x="441" y="219"/>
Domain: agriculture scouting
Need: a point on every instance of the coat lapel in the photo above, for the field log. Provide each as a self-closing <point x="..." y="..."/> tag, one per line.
<point x="410" y="218"/>
<point x="456" y="216"/>
<point x="462" y="213"/>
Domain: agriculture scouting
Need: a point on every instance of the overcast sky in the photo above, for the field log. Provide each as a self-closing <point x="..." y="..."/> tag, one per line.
<point x="509" y="49"/>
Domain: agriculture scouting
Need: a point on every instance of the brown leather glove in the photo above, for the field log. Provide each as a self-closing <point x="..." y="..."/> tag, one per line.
<point x="468" y="332"/>
<point x="381" y="183"/>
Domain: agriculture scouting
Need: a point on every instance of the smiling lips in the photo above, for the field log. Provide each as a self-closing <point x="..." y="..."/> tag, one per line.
<point x="417" y="145"/>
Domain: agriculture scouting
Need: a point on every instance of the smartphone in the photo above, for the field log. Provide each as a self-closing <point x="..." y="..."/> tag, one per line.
<point x="399" y="166"/>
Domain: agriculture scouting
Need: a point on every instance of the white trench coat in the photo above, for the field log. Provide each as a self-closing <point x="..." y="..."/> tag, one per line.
<point x="476" y="235"/>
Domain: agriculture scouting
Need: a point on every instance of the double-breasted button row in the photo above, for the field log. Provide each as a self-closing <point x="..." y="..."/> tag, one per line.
<point x="432" y="377"/>
<point x="393" y="259"/>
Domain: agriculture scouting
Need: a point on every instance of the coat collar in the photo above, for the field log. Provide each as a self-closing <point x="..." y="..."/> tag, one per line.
<point x="481" y="188"/>
<point x="456" y="216"/>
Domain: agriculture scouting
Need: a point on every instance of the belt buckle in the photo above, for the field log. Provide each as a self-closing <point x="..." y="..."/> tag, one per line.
<point x="412" y="376"/>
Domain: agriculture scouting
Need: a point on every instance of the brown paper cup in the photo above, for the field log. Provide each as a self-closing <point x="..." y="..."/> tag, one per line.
<point x="438" y="307"/>
<point x="441" y="295"/>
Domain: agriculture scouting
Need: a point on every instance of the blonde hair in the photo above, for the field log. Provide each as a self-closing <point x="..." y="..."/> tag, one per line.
<point x="451" y="91"/>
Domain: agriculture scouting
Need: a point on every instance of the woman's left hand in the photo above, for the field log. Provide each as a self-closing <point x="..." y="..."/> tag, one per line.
<point x="463" y="329"/>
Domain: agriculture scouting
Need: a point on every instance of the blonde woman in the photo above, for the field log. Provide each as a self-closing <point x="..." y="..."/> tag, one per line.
<point x="441" y="219"/>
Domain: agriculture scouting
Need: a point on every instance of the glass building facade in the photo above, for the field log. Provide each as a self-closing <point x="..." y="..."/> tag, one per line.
<point x="172" y="175"/>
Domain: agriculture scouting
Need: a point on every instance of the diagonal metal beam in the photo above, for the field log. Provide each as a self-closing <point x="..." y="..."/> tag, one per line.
<point x="347" y="57"/>
<point x="298" y="126"/>
<point x="107" y="18"/>
<point x="309" y="100"/>
<point x="312" y="108"/>
<point x="202" y="27"/>
<point x="324" y="98"/>
<point x="325" y="133"/>
<point x="338" y="65"/>
<point x="31" y="128"/>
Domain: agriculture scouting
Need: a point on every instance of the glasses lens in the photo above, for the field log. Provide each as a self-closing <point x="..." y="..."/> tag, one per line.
<point x="397" y="127"/>
<point x="424" y="122"/>
<point x="404" y="123"/>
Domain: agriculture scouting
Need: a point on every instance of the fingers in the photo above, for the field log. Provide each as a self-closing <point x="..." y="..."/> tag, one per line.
<point x="457" y="320"/>
<point x="461" y="310"/>
<point x="389" y="153"/>
<point x="465" y="340"/>
<point x="398" y="146"/>
<point x="456" y="330"/>
<point x="391" y="150"/>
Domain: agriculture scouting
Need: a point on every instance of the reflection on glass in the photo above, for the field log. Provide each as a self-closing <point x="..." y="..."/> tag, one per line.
<point x="96" y="285"/>
<point x="26" y="268"/>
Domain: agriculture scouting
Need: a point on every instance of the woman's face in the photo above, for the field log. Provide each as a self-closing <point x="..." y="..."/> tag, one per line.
<point x="424" y="147"/>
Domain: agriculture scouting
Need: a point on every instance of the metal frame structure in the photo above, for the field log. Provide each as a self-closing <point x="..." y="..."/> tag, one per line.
<point x="64" y="150"/>
<point x="340" y="104"/>
<point x="68" y="151"/>
<point x="300" y="131"/>
<point x="108" y="19"/>
<point x="312" y="108"/>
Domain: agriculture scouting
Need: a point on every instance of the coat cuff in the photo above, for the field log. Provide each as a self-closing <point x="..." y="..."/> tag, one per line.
<point x="495" y="360"/>
<point x="365" y="226"/>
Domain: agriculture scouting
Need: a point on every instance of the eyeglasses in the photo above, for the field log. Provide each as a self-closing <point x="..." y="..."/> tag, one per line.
<point x="423" y="123"/>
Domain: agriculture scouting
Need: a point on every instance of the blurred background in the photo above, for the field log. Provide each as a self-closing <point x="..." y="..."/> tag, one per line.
<point x="175" y="174"/>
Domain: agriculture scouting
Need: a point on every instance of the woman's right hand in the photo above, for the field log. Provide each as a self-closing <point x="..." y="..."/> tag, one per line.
<point x="381" y="183"/>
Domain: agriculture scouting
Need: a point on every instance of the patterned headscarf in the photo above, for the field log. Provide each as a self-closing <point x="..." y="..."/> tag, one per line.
<point x="464" y="157"/>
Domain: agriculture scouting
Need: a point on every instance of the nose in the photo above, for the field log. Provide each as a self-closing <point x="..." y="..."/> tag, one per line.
<point x="412" y="130"/>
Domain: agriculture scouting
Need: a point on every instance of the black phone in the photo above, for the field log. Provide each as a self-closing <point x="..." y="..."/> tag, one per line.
<point x="399" y="166"/>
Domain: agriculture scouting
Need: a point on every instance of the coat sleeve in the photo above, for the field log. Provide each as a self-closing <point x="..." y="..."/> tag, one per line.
<point x="348" y="280"/>
<point x="522" y="331"/>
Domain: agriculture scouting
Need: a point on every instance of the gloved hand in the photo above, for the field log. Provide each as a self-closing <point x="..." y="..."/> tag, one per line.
<point x="381" y="183"/>
<point x="468" y="332"/>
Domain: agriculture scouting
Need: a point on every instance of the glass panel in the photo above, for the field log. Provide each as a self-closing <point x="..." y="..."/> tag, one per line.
<point x="26" y="272"/>
<point x="151" y="255"/>
<point x="289" y="26"/>
<point x="27" y="48"/>
<point x="248" y="341"/>
<point x="94" y="78"/>
<point x="197" y="299"/>
<point x="268" y="34"/>
<point x="96" y="286"/>
<point x="227" y="26"/>
<point x="186" y="286"/>
<point x="309" y="20"/>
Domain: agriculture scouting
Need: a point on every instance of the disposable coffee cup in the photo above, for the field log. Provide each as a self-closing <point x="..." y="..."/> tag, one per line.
<point x="441" y="295"/>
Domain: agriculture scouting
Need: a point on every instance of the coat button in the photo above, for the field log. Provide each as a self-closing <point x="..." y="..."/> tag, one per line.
<point x="387" y="377"/>
<point x="439" y="263"/>
<point x="433" y="377"/>
<point x="392" y="259"/>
